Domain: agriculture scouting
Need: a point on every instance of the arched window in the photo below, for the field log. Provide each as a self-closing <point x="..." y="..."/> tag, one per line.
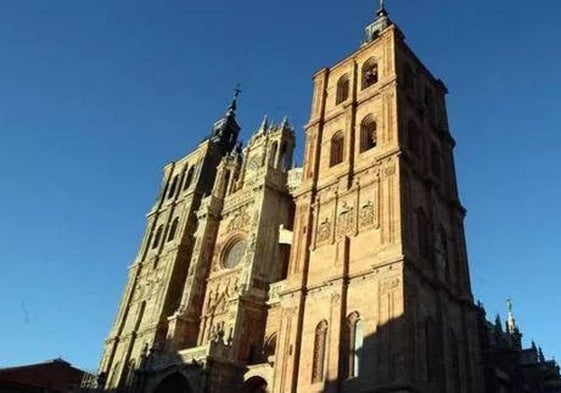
<point x="284" y="159"/>
<point x="131" y="369"/>
<point x="175" y="383"/>
<point x="139" y="315"/>
<point x="182" y="179"/>
<point x="408" y="77"/>
<point x="435" y="160"/>
<point x="441" y="253"/>
<point x="455" y="361"/>
<point x="320" y="342"/>
<point x="227" y="179"/>
<point x="270" y="348"/>
<point x="369" y="73"/>
<point x="368" y="136"/>
<point x="158" y="236"/>
<point x="413" y="138"/>
<point x="284" y="257"/>
<point x="173" y="229"/>
<point x="432" y="353"/>
<point x="342" y="89"/>
<point x="114" y="378"/>
<point x="255" y="385"/>
<point x="353" y="345"/>
<point x="428" y="96"/>
<point x="149" y="240"/>
<point x="273" y="154"/>
<point x="173" y="186"/>
<point x="189" y="178"/>
<point x="337" y="149"/>
<point x="423" y="233"/>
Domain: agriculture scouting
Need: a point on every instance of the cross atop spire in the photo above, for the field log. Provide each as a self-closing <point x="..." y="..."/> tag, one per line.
<point x="225" y="131"/>
<point x="234" y="104"/>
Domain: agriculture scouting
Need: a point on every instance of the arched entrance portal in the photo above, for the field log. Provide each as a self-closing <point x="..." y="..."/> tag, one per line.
<point x="255" y="385"/>
<point x="174" y="383"/>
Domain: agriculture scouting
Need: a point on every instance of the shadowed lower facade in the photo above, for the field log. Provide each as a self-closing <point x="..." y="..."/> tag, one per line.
<point x="349" y="274"/>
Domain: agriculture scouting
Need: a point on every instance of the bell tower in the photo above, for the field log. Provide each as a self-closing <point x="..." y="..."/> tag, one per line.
<point x="378" y="296"/>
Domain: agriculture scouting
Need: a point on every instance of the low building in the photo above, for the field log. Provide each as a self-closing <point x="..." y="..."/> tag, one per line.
<point x="53" y="376"/>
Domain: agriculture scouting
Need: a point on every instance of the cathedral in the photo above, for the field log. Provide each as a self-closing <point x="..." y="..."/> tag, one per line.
<point x="349" y="274"/>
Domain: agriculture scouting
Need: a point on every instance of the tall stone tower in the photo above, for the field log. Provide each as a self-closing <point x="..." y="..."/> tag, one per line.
<point x="157" y="276"/>
<point x="378" y="295"/>
<point x="194" y="312"/>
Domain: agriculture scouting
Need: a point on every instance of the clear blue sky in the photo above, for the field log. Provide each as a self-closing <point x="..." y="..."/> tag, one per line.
<point x="96" y="96"/>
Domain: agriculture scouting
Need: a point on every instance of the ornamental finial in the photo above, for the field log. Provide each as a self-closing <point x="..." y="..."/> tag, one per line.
<point x="382" y="9"/>
<point x="511" y="322"/>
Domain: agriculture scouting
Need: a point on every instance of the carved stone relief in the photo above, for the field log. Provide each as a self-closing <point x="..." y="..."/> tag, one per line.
<point x="250" y="251"/>
<point x="148" y="284"/>
<point x="255" y="162"/>
<point x="390" y="284"/>
<point x="345" y="220"/>
<point x="324" y="231"/>
<point x="389" y="170"/>
<point x="366" y="215"/>
<point x="241" y="197"/>
<point x="240" y="221"/>
<point x="335" y="298"/>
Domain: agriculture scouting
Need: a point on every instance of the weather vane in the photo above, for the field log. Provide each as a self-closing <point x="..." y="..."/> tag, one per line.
<point x="382" y="10"/>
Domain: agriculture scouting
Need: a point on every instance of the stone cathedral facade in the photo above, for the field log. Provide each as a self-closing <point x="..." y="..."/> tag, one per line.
<point x="347" y="275"/>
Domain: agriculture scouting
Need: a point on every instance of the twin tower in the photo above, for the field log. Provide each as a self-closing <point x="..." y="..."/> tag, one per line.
<point x="347" y="275"/>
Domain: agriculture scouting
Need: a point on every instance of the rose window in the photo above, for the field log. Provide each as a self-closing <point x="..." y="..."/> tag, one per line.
<point x="235" y="254"/>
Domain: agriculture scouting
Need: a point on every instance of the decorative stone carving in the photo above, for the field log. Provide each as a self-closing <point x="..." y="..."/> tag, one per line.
<point x="335" y="298"/>
<point x="366" y="215"/>
<point x="390" y="284"/>
<point x="240" y="221"/>
<point x="255" y="162"/>
<point x="239" y="199"/>
<point x="148" y="284"/>
<point x="389" y="170"/>
<point x="324" y="231"/>
<point x="345" y="220"/>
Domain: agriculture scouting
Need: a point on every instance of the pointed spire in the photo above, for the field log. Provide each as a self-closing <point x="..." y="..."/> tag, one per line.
<point x="225" y="131"/>
<point x="285" y="125"/>
<point x="511" y="321"/>
<point x="541" y="355"/>
<point x="498" y="323"/>
<point x="234" y="103"/>
<point x="264" y="124"/>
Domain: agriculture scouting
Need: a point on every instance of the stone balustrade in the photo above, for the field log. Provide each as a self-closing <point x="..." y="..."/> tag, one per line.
<point x="198" y="355"/>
